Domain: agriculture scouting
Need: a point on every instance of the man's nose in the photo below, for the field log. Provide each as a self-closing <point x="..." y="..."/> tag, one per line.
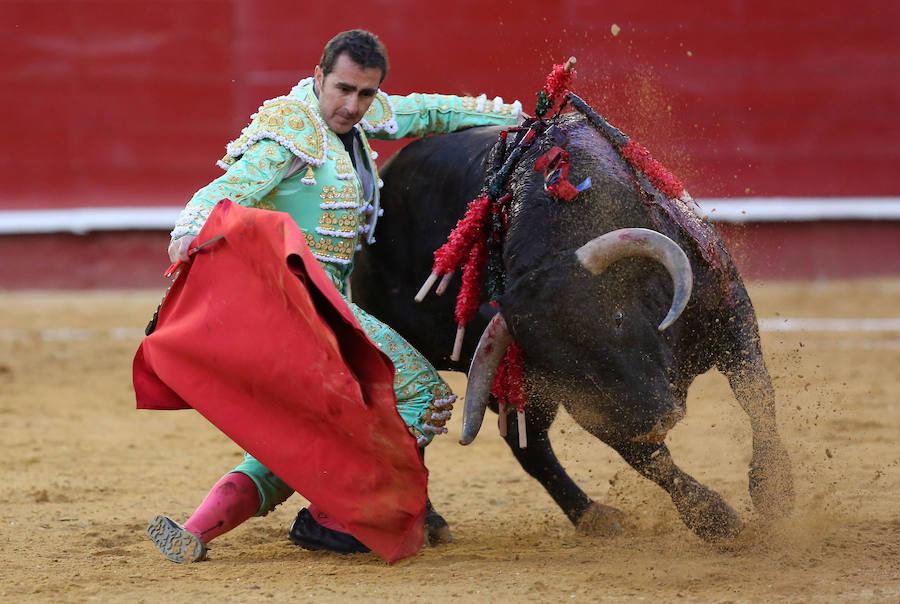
<point x="352" y="104"/>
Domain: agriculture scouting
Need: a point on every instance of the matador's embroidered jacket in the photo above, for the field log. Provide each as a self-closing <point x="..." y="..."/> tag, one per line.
<point x="288" y="159"/>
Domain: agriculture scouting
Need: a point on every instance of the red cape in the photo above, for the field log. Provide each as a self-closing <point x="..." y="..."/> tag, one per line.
<point x="254" y="336"/>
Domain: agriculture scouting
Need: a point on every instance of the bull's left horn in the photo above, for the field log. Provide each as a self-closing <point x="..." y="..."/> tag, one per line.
<point x="490" y="351"/>
<point x="599" y="253"/>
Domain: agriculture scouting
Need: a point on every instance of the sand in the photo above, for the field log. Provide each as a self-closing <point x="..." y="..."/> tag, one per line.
<point x="88" y="471"/>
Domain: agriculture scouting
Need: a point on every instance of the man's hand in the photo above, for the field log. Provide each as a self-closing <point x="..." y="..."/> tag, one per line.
<point x="178" y="249"/>
<point x="436" y="417"/>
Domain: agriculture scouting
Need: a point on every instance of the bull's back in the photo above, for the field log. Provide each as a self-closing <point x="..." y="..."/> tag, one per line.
<point x="427" y="186"/>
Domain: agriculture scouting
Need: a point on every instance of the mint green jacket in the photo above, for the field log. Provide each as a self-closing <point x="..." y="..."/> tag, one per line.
<point x="287" y="159"/>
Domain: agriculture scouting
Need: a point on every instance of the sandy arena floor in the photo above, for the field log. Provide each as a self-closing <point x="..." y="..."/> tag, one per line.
<point x="88" y="471"/>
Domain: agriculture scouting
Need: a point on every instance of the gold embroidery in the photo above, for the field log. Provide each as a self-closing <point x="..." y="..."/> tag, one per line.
<point x="342" y="165"/>
<point x="327" y="246"/>
<point x="295" y="122"/>
<point x="347" y="194"/>
<point x="347" y="223"/>
<point x="329" y="194"/>
<point x="335" y="145"/>
<point x="271" y="120"/>
<point x="290" y="119"/>
<point x="328" y="220"/>
<point x="313" y="142"/>
<point x="379" y="112"/>
<point x="471" y="104"/>
<point x="343" y="222"/>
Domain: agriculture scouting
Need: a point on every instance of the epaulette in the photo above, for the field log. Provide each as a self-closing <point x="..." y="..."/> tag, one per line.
<point x="290" y="122"/>
<point x="380" y="115"/>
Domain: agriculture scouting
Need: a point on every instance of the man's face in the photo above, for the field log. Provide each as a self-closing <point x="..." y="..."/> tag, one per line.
<point x="346" y="93"/>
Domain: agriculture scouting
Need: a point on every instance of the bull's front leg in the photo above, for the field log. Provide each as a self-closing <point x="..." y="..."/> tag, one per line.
<point x="703" y="510"/>
<point x="541" y="463"/>
<point x="771" y="483"/>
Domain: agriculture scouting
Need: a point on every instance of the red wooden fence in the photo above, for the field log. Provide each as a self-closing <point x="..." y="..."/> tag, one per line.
<point x="129" y="103"/>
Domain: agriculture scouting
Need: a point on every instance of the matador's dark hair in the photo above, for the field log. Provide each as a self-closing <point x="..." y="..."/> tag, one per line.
<point x="363" y="47"/>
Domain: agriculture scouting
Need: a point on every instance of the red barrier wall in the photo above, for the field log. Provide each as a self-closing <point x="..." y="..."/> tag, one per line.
<point x="762" y="252"/>
<point x="130" y="102"/>
<point x="111" y="102"/>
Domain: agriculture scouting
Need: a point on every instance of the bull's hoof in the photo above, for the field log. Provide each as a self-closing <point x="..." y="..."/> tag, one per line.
<point x="601" y="521"/>
<point x="704" y="511"/>
<point x="771" y="481"/>
<point x="437" y="531"/>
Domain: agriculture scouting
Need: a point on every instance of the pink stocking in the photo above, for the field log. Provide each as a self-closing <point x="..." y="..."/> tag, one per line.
<point x="230" y="502"/>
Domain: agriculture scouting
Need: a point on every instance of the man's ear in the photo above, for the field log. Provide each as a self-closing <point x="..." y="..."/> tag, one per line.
<point x="318" y="77"/>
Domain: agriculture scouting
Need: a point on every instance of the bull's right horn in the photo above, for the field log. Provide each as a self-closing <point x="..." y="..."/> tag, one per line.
<point x="599" y="253"/>
<point x="490" y="351"/>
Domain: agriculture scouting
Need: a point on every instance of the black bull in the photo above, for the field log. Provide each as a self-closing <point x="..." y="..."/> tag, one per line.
<point x="589" y="342"/>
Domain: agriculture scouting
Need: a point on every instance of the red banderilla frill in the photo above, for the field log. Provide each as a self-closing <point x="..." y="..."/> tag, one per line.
<point x="452" y="254"/>
<point x="509" y="388"/>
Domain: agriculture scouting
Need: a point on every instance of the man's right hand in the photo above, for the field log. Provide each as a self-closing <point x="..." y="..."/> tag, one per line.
<point x="178" y="249"/>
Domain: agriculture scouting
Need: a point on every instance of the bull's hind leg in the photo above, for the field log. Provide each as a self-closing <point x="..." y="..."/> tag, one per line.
<point x="540" y="462"/>
<point x="771" y="482"/>
<point x="703" y="510"/>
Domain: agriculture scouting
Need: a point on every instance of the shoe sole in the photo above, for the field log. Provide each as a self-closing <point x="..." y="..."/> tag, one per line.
<point x="175" y="543"/>
<point x="315" y="546"/>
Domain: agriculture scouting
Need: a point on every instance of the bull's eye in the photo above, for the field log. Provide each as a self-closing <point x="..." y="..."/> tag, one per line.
<point x="620" y="318"/>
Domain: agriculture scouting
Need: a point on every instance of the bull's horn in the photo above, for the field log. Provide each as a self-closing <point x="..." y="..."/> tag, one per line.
<point x="599" y="253"/>
<point x="490" y="351"/>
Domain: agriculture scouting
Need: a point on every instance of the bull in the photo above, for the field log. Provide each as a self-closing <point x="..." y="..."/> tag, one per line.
<point x="617" y="299"/>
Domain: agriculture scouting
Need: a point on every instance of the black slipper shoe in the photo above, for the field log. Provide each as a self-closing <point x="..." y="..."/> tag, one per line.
<point x="309" y="534"/>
